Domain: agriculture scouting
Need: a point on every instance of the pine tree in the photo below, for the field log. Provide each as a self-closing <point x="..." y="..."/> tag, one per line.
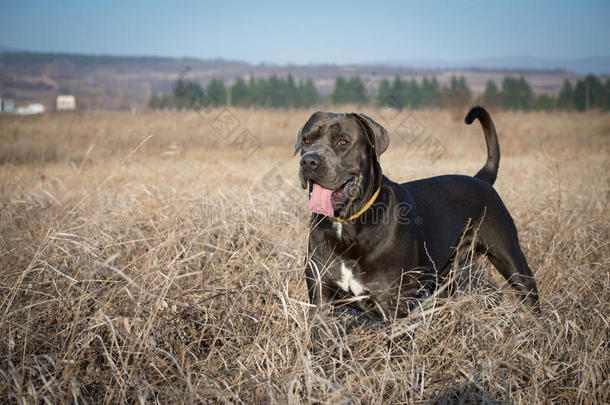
<point x="429" y="92"/>
<point x="457" y="95"/>
<point x="216" y="93"/>
<point x="258" y="92"/>
<point x="277" y="92"/>
<point x="435" y="93"/>
<point x="517" y="94"/>
<point x="155" y="102"/>
<point x="526" y="94"/>
<point x="464" y="91"/>
<point x="357" y="91"/>
<point x="590" y="93"/>
<point x="350" y="91"/>
<point x="240" y="96"/>
<point x="397" y="93"/>
<point x="565" y="100"/>
<point x="186" y="95"/>
<point x="338" y="96"/>
<point x="491" y="97"/>
<point x="383" y="95"/>
<point x="291" y="94"/>
<point x="308" y="95"/>
<point x="412" y="94"/>
<point x="510" y="93"/>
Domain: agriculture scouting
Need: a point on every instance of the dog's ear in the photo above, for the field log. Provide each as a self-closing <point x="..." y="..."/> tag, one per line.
<point x="299" y="144"/>
<point x="378" y="136"/>
<point x="308" y="124"/>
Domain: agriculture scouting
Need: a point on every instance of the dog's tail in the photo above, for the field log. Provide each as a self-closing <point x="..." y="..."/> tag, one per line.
<point x="489" y="172"/>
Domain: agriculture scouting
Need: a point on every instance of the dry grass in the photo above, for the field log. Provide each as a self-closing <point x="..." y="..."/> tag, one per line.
<point x="146" y="259"/>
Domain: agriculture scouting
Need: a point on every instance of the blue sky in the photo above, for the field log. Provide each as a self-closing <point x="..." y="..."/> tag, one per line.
<point x="311" y="32"/>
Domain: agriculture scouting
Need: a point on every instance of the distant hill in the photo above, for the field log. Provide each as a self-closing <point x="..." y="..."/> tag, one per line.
<point x="598" y="65"/>
<point x="122" y="82"/>
<point x="8" y="49"/>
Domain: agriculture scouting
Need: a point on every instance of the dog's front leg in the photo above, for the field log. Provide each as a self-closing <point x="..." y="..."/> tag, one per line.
<point x="316" y="289"/>
<point x="319" y="295"/>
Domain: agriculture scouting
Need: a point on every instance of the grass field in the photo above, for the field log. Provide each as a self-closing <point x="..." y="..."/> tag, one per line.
<point x="158" y="258"/>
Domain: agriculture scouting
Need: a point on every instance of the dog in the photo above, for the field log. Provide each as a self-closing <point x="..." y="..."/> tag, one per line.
<point x="380" y="246"/>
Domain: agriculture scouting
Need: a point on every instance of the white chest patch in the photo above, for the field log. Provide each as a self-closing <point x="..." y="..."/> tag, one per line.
<point x="338" y="228"/>
<point x="348" y="282"/>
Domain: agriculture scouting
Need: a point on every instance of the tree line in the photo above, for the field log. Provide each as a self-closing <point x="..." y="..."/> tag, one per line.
<point x="514" y="93"/>
<point x="274" y="92"/>
<point x="412" y="94"/>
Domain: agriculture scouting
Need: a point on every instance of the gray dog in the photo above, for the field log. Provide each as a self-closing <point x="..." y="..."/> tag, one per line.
<point x="381" y="246"/>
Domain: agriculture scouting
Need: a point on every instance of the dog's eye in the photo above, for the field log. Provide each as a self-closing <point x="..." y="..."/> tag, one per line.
<point x="306" y="141"/>
<point x="343" y="142"/>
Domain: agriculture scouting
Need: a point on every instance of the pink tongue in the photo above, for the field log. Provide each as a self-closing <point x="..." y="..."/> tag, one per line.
<point x="320" y="201"/>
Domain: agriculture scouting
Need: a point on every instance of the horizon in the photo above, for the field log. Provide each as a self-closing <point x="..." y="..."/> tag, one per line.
<point x="596" y="65"/>
<point x="402" y="63"/>
<point x="299" y="34"/>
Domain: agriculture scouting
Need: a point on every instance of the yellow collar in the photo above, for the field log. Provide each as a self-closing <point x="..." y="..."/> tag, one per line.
<point x="356" y="215"/>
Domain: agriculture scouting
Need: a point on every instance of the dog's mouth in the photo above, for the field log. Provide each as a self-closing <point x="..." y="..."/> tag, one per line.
<point x="325" y="201"/>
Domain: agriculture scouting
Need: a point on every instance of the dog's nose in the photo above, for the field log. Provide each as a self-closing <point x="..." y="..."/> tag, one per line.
<point x="310" y="161"/>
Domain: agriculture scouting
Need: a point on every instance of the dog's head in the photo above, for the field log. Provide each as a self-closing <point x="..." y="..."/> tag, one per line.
<point x="339" y="156"/>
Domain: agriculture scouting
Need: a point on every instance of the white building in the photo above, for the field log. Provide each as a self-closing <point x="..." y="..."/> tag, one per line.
<point x="35" y="108"/>
<point x="66" y="102"/>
